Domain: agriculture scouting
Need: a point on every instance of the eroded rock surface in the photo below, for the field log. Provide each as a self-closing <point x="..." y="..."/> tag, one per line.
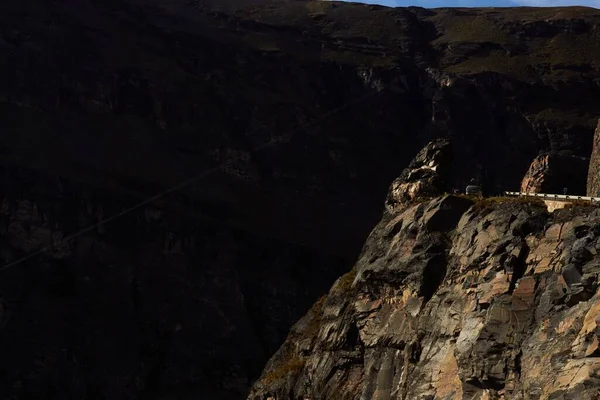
<point x="428" y="175"/>
<point x="499" y="301"/>
<point x="593" y="179"/>
<point x="551" y="173"/>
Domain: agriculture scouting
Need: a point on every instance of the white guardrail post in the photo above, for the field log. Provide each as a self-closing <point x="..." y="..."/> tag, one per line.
<point x="555" y="196"/>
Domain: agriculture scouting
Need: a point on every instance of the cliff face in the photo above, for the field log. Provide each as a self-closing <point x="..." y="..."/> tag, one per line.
<point x="452" y="299"/>
<point x="593" y="179"/>
<point x="158" y="303"/>
<point x="287" y="120"/>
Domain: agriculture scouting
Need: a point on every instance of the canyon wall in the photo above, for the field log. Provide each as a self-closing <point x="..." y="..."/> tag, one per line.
<point x="261" y="139"/>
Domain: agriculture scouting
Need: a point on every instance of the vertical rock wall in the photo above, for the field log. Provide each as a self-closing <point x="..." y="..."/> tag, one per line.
<point x="593" y="179"/>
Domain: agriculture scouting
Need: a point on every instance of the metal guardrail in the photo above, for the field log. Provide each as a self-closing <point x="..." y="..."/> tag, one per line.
<point x="547" y="196"/>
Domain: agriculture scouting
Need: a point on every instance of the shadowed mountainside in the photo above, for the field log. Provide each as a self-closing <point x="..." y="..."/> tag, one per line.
<point x="287" y="119"/>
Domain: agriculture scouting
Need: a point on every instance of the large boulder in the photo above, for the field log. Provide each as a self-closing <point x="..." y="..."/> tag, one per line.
<point x="550" y="173"/>
<point x="428" y="175"/>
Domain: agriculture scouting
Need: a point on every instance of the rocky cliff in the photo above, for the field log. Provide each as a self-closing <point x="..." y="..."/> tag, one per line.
<point x="593" y="179"/>
<point x="453" y="298"/>
<point x="262" y="137"/>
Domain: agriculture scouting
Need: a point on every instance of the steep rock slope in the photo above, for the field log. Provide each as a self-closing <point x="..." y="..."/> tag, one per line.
<point x="161" y="302"/>
<point x="593" y="178"/>
<point x="455" y="300"/>
<point x="280" y="124"/>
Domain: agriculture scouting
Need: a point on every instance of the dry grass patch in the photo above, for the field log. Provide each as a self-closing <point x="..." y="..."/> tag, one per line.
<point x="579" y="203"/>
<point x="469" y="28"/>
<point x="316" y="313"/>
<point x="317" y="7"/>
<point x="291" y="366"/>
<point x="495" y="202"/>
<point x="345" y="282"/>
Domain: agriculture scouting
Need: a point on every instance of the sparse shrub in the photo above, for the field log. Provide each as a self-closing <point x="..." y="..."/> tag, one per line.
<point x="579" y="203"/>
<point x="316" y="314"/>
<point x="293" y="362"/>
<point x="345" y="283"/>
<point x="291" y="366"/>
<point x="487" y="203"/>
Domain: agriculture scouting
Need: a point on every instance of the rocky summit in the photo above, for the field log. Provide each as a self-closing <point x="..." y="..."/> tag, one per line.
<point x="183" y="179"/>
